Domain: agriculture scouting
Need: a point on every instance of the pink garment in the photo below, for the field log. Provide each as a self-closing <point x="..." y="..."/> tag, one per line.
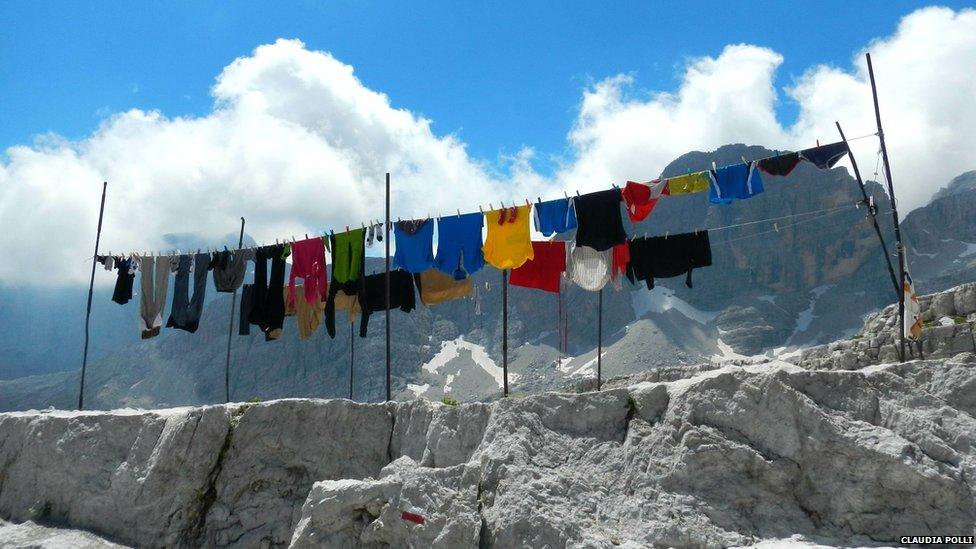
<point x="308" y="263"/>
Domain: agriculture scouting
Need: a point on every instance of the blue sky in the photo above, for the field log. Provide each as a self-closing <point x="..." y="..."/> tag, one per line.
<point x="500" y="75"/>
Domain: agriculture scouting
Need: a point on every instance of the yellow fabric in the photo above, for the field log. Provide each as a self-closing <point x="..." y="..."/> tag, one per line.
<point x="508" y="245"/>
<point x="348" y="303"/>
<point x="309" y="315"/>
<point x="438" y="287"/>
<point x="687" y="184"/>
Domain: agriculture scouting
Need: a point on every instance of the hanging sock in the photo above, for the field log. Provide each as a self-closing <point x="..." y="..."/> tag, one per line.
<point x="668" y="256"/>
<point x="600" y="223"/>
<point x="825" y="156"/>
<point x="780" y="165"/>
<point x="154" y="281"/>
<point x="459" y="251"/>
<point x="186" y="312"/>
<point x="687" y="184"/>
<point x="555" y="216"/>
<point x="641" y="198"/>
<point x="508" y="245"/>
<point x="544" y="270"/>
<point x="738" y="181"/>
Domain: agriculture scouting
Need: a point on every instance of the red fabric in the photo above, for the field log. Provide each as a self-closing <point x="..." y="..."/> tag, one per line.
<point x="412" y="517"/>
<point x="621" y="258"/>
<point x="639" y="201"/>
<point x="542" y="271"/>
<point x="308" y="262"/>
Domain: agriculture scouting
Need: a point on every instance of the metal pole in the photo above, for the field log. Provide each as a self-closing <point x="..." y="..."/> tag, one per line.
<point x="894" y="211"/>
<point x="872" y="211"/>
<point x="599" y="343"/>
<point x="386" y="228"/>
<point x="230" y="328"/>
<point x="91" y="289"/>
<point x="352" y="356"/>
<point x="505" y="329"/>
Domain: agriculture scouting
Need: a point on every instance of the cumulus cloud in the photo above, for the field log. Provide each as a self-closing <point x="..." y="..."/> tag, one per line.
<point x="297" y="144"/>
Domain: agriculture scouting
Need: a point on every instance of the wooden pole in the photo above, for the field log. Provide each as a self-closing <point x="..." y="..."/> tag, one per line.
<point x="505" y="330"/>
<point x="386" y="228"/>
<point x="230" y="328"/>
<point x="899" y="246"/>
<point x="599" y="344"/>
<point x="872" y="211"/>
<point x="91" y="289"/>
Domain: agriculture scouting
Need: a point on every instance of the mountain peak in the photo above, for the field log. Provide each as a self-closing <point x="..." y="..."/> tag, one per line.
<point x="960" y="184"/>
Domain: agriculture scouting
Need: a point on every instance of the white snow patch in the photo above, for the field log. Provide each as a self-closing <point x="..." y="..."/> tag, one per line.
<point x="726" y="352"/>
<point x="451" y="350"/>
<point x="767" y="298"/>
<point x="661" y="299"/>
<point x="970" y="250"/>
<point x="418" y="389"/>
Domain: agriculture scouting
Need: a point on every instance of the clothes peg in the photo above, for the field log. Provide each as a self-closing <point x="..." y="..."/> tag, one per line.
<point x="539" y="199"/>
<point x="527" y="203"/>
<point x="577" y="192"/>
<point x="459" y="212"/>
<point x="776" y="227"/>
<point x="666" y="234"/>
<point x="480" y="209"/>
<point x="347" y="228"/>
<point x="714" y="167"/>
<point x="502" y="205"/>
<point x="490" y="206"/>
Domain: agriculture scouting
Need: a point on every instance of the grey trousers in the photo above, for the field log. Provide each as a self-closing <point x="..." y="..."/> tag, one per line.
<point x="154" y="279"/>
<point x="186" y="311"/>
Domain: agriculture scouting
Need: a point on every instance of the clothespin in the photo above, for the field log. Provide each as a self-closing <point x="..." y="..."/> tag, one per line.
<point x="666" y="234"/>
<point x="744" y="161"/>
<point x="306" y="236"/>
<point x="577" y="192"/>
<point x="347" y="228"/>
<point x="502" y="205"/>
<point x="776" y="227"/>
<point x="490" y="206"/>
<point x="480" y="209"/>
<point x="459" y="212"/>
<point x="566" y="195"/>
<point x="539" y="199"/>
<point x="527" y="203"/>
<point x="714" y="167"/>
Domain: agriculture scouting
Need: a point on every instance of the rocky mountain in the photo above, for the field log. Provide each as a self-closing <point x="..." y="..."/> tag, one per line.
<point x="738" y="452"/>
<point x="782" y="277"/>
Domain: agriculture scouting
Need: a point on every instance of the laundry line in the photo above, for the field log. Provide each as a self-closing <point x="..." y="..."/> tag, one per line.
<point x="788" y="226"/>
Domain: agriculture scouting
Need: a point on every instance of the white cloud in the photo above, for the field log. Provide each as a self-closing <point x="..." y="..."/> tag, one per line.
<point x="296" y="143"/>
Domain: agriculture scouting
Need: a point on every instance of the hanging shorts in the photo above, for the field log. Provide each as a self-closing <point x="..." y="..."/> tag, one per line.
<point x="737" y="181"/>
<point x="825" y="156"/>
<point x="414" y="245"/>
<point x="459" y="245"/>
<point x="509" y="243"/>
<point x="544" y="270"/>
<point x="555" y="216"/>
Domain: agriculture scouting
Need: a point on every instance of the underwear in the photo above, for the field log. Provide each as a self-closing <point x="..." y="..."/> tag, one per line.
<point x="589" y="268"/>
<point x="687" y="184"/>
<point x="436" y="287"/>
<point x="555" y="216"/>
<point x="508" y="245"/>
<point x="825" y="156"/>
<point x="414" y="245"/>
<point x="374" y="295"/>
<point x="735" y="181"/>
<point x="667" y="256"/>
<point x="600" y="223"/>
<point x="780" y="165"/>
<point x="459" y="245"/>
<point x="544" y="270"/>
<point x="642" y="197"/>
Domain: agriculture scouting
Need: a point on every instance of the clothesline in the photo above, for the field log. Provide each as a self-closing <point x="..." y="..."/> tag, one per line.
<point x="379" y="225"/>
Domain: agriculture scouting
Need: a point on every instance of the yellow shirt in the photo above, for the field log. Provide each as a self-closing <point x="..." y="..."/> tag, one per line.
<point x="687" y="184"/>
<point x="508" y="245"/>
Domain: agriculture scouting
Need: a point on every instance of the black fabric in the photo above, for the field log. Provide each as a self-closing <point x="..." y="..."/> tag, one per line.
<point x="402" y="295"/>
<point x="667" y="256"/>
<point x="350" y="287"/>
<point x="229" y="268"/>
<point x="268" y="308"/>
<point x="185" y="313"/>
<point x="123" y="284"/>
<point x="247" y="303"/>
<point x="825" y="156"/>
<point x="599" y="223"/>
<point x="780" y="165"/>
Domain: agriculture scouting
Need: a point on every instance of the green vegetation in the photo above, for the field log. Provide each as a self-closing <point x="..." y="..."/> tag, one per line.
<point x="449" y="401"/>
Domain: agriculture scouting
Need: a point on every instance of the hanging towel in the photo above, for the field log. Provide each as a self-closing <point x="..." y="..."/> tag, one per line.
<point x="642" y="197"/>
<point x="589" y="268"/>
<point x="825" y="156"/>
<point x="459" y="245"/>
<point x="780" y="165"/>
<point x="229" y="268"/>
<point x="555" y="216"/>
<point x="401" y="295"/>
<point x="348" y="264"/>
<point x="508" y="244"/>
<point x="737" y="181"/>
<point x="600" y="223"/>
<point x="186" y="312"/>
<point x="308" y="263"/>
<point x="667" y="256"/>
<point x="436" y="287"/>
<point x="268" y="302"/>
<point x="687" y="184"/>
<point x="414" y="245"/>
<point x="154" y="281"/>
<point x="544" y="270"/>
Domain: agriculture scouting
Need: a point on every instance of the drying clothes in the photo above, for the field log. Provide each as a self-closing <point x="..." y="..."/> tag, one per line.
<point x="247" y="303"/>
<point x="268" y="303"/>
<point x="667" y="256"/>
<point x="308" y="263"/>
<point x="642" y="197"/>
<point x="348" y="303"/>
<point x="825" y="156"/>
<point x="436" y="287"/>
<point x="229" y="268"/>
<point x="544" y="270"/>
<point x="401" y="295"/>
<point x="154" y="275"/>
<point x="589" y="268"/>
<point x="621" y="258"/>
<point x="107" y="261"/>
<point x="687" y="184"/>
<point x="459" y="245"/>
<point x="508" y="244"/>
<point x="555" y="216"/>
<point x="737" y="181"/>
<point x="348" y="264"/>
<point x="308" y="315"/>
<point x="414" y="245"/>
<point x="600" y="223"/>
<point x="780" y="165"/>
<point x="185" y="314"/>
<point x="123" y="284"/>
